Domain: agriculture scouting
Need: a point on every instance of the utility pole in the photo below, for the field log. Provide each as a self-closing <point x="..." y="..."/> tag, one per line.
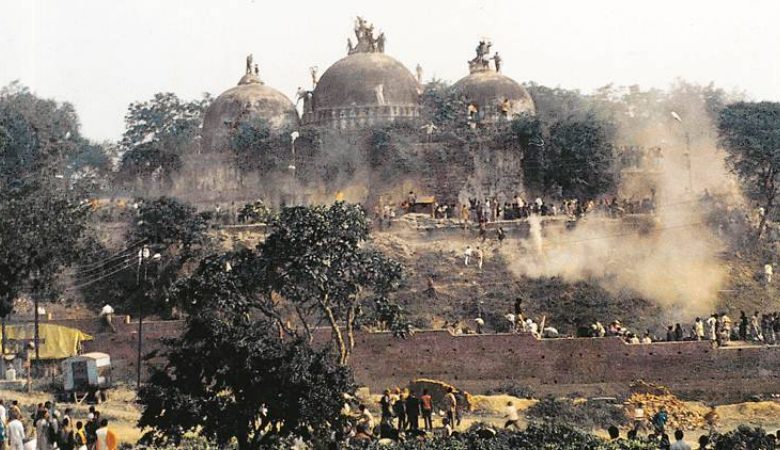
<point x="143" y="257"/>
<point x="294" y="183"/>
<point x="688" y="160"/>
<point x="37" y="338"/>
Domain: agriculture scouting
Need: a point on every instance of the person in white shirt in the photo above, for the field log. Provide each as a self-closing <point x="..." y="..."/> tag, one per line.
<point x="366" y="418"/>
<point x="3" y="413"/>
<point x="512" y="418"/>
<point x="512" y="325"/>
<point x="711" y="327"/>
<point x="698" y="329"/>
<point x="467" y="254"/>
<point x="639" y="417"/>
<point x="15" y="433"/>
<point x="679" y="443"/>
<point x="107" y="315"/>
<point x="42" y="427"/>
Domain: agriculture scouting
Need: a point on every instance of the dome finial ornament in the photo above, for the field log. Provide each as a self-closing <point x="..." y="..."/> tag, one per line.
<point x="366" y="42"/>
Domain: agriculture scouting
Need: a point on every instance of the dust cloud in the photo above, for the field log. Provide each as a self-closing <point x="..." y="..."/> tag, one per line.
<point x="670" y="257"/>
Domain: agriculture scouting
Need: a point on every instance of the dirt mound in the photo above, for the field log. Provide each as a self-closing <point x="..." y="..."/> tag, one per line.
<point x="653" y="397"/>
<point x="496" y="404"/>
<point x="438" y="389"/>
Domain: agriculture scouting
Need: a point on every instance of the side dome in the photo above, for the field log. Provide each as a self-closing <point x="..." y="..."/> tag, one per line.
<point x="251" y="99"/>
<point x="490" y="94"/>
<point x="364" y="88"/>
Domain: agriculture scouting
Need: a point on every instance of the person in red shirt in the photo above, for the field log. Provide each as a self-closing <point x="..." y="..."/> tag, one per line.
<point x="426" y="406"/>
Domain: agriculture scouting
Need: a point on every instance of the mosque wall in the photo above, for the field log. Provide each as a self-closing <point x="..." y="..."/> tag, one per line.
<point x="583" y="366"/>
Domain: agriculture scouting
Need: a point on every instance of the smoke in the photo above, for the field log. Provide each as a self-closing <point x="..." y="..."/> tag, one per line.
<point x="671" y="257"/>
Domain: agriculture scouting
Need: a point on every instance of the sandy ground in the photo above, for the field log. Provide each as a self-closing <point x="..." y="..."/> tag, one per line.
<point x="123" y="413"/>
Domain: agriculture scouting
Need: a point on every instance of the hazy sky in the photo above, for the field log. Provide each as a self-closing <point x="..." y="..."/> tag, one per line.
<point x="103" y="54"/>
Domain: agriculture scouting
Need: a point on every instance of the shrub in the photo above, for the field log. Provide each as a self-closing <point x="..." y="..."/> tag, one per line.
<point x="585" y="415"/>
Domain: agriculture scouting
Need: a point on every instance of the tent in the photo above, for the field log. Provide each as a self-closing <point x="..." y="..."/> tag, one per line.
<point x="56" y="341"/>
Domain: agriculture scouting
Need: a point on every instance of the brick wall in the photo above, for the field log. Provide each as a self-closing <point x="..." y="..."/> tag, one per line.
<point x="604" y="366"/>
<point x="587" y="366"/>
<point x="123" y="345"/>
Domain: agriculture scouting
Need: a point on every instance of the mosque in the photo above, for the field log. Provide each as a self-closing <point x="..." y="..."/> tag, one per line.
<point x="366" y="88"/>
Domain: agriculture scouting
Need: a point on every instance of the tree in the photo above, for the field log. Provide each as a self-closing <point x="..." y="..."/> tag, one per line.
<point x="315" y="258"/>
<point x="525" y="135"/>
<point x="169" y="227"/>
<point x="227" y="367"/>
<point x="442" y="106"/>
<point x="257" y="147"/>
<point x="581" y="157"/>
<point x="42" y="219"/>
<point x="750" y="133"/>
<point x="158" y="132"/>
<point x="35" y="133"/>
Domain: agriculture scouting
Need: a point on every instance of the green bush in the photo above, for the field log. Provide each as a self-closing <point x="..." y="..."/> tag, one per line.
<point x="536" y="437"/>
<point x="745" y="438"/>
<point x="584" y="415"/>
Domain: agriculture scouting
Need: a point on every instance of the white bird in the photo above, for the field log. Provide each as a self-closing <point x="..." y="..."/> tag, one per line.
<point x="676" y="116"/>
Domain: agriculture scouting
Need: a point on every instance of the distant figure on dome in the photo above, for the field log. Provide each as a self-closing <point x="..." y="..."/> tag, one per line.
<point x="249" y="59"/>
<point x="257" y="71"/>
<point x="380" y="43"/>
<point x="313" y="72"/>
<point x="497" y="61"/>
<point x="379" y="90"/>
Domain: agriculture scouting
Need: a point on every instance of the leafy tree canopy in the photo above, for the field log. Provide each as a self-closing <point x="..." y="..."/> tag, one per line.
<point x="158" y="132"/>
<point x="228" y="378"/>
<point x="315" y="258"/>
<point x="167" y="226"/>
<point x="42" y="218"/>
<point x="581" y="157"/>
<point x="750" y="133"/>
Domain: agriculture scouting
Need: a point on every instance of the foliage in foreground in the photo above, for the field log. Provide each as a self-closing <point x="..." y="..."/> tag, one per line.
<point x="585" y="415"/>
<point x="229" y="379"/>
<point x="547" y="437"/>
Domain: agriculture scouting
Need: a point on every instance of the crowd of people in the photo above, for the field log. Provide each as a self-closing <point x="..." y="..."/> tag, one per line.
<point x="718" y="328"/>
<point x="495" y="208"/>
<point x="46" y="428"/>
<point x="404" y="415"/>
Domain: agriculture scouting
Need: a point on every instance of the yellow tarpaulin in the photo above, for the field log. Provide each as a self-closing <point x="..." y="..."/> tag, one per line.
<point x="56" y="341"/>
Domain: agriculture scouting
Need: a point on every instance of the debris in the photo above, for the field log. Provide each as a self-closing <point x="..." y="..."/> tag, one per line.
<point x="653" y="397"/>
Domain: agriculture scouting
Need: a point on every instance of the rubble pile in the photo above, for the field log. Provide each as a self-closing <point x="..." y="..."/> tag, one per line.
<point x="652" y="397"/>
<point x="426" y="222"/>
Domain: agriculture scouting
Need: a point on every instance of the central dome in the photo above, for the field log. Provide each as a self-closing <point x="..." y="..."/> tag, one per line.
<point x="366" y="79"/>
<point x="364" y="88"/>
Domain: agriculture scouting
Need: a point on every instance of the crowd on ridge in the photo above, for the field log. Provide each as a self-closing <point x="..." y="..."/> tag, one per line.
<point x="718" y="328"/>
<point x="495" y="208"/>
